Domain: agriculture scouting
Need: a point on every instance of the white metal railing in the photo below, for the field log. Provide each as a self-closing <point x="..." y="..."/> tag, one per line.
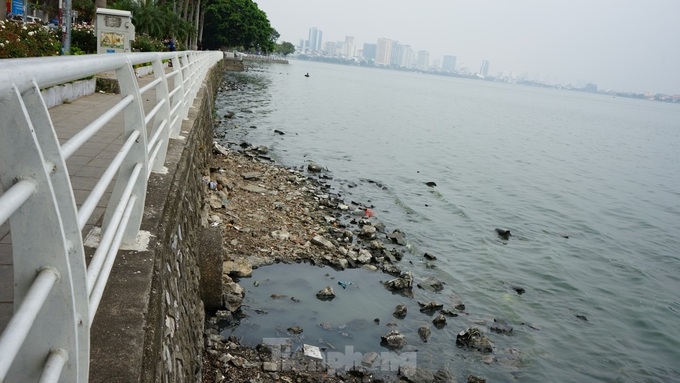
<point x="56" y="292"/>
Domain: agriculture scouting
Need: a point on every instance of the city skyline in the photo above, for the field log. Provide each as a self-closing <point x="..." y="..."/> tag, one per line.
<point x="617" y="46"/>
<point x="385" y="52"/>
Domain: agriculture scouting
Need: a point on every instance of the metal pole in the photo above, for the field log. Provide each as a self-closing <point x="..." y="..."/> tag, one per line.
<point x="62" y="27"/>
<point x="67" y="30"/>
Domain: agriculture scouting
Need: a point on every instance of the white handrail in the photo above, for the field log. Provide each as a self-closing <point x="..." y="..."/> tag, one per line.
<point x="56" y="295"/>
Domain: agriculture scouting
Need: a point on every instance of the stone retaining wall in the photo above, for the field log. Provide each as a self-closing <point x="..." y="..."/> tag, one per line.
<point x="149" y="327"/>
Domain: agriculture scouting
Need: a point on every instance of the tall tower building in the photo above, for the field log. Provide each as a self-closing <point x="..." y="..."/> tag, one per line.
<point x="396" y="53"/>
<point x="314" y="39"/>
<point x="369" y="51"/>
<point x="449" y="63"/>
<point x="423" y="59"/>
<point x="484" y="69"/>
<point x="349" y="49"/>
<point x="330" y="47"/>
<point x="383" y="53"/>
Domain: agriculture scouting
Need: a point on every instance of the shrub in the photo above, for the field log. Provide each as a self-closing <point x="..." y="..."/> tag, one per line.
<point x="83" y="38"/>
<point x="145" y="43"/>
<point x="33" y="40"/>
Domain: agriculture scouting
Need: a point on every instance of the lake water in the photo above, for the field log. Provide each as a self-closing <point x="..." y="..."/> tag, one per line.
<point x="546" y="164"/>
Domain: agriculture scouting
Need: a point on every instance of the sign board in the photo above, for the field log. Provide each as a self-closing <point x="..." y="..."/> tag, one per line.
<point x="18" y="7"/>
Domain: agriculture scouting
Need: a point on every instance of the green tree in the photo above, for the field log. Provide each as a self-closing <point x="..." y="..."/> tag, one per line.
<point x="238" y="24"/>
<point x="285" y="48"/>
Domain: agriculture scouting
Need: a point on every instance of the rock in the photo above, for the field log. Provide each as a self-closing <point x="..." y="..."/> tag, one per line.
<point x="391" y="269"/>
<point x="219" y="149"/>
<point x="501" y="327"/>
<point x="215" y="220"/>
<point x="280" y="234"/>
<point x="444" y="376"/>
<point x="448" y="313"/>
<point x="510" y="357"/>
<point x="377" y="245"/>
<point x="432" y="284"/>
<point x="430" y="184"/>
<point x="473" y="339"/>
<point x="254" y="189"/>
<point x="238" y="269"/>
<point x="582" y="317"/>
<point x="221" y="179"/>
<point x="519" y="290"/>
<point x="270" y="366"/>
<point x="439" y="321"/>
<point x="398" y="238"/>
<point x="369" y="359"/>
<point x="503" y="233"/>
<point x="326" y="294"/>
<point x="475" y="379"/>
<point x="229" y="115"/>
<point x="393" y="340"/>
<point x="400" y="311"/>
<point x="252" y="176"/>
<point x="214" y="201"/>
<point x="367" y="232"/>
<point x="314" y="168"/>
<point x="403" y="282"/>
<point x="429" y="307"/>
<point x="295" y="330"/>
<point x="278" y="296"/>
<point x="326" y="325"/>
<point x="232" y="295"/>
<point x="323" y="242"/>
<point x="279" y="132"/>
<point x="364" y="256"/>
<point x="429" y="257"/>
<point x="424" y="332"/>
<point x="341" y="263"/>
<point x="456" y="302"/>
<point x="413" y="374"/>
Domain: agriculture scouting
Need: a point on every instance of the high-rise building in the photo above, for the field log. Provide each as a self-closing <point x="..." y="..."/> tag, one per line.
<point x="314" y="43"/>
<point x="349" y="50"/>
<point x="484" y="69"/>
<point x="423" y="59"/>
<point x="369" y="51"/>
<point x="449" y="63"/>
<point x="330" y="47"/>
<point x="383" y="53"/>
<point x="402" y="56"/>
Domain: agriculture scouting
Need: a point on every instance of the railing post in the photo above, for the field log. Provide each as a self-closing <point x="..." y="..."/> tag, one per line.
<point x="44" y="242"/>
<point x="134" y="121"/>
<point x="186" y="89"/>
<point x="162" y="94"/>
<point x="178" y="98"/>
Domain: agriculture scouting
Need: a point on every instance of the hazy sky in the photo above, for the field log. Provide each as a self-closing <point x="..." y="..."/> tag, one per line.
<point x="627" y="45"/>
